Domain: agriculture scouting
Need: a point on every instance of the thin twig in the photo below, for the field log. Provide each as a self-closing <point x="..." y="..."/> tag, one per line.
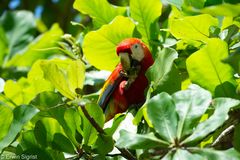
<point x="222" y="135"/>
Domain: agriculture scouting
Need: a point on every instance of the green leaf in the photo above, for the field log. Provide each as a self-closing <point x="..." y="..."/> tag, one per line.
<point x="99" y="46"/>
<point x="45" y="129"/>
<point x="28" y="140"/>
<point x="191" y="104"/>
<point x="104" y="144"/>
<point x="177" y="3"/>
<point x="185" y="155"/>
<point x="62" y="143"/>
<point x="146" y="12"/>
<point x="222" y="106"/>
<point x="236" y="138"/>
<point x="192" y="27"/>
<point x="167" y="79"/>
<point x="162" y="114"/>
<point x="6" y="117"/>
<point x="116" y="122"/>
<point x="3" y="45"/>
<point x="101" y="11"/>
<point x="218" y="78"/>
<point x="46" y="100"/>
<point x="38" y="49"/>
<point x="217" y="155"/>
<point x="139" y="141"/>
<point x="21" y="115"/>
<point x="24" y="90"/>
<point x="196" y="4"/>
<point x="225" y="9"/>
<point x="69" y="119"/>
<point x="90" y="133"/>
<point x="65" y="75"/>
<point x="19" y="27"/>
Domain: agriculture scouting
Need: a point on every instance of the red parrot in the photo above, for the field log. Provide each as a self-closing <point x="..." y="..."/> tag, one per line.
<point x="126" y="84"/>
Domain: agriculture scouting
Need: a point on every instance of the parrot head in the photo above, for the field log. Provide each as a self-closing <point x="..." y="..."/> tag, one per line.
<point x="133" y="52"/>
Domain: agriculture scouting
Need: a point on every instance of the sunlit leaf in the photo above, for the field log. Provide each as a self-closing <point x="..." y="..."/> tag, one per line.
<point x="146" y="12"/>
<point x="67" y="76"/>
<point x="225" y="9"/>
<point x="101" y="11"/>
<point x="20" y="92"/>
<point x="205" y="67"/>
<point x="99" y="46"/>
<point x="192" y="27"/>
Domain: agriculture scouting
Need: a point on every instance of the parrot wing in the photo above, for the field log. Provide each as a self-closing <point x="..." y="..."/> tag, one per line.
<point x="110" y="85"/>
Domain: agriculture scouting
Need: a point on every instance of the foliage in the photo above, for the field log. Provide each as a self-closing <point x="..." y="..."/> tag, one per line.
<point x="50" y="82"/>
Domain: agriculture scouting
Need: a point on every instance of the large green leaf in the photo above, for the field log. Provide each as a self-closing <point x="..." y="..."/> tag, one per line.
<point x="139" y="141"/>
<point x="47" y="130"/>
<point x="101" y="11"/>
<point x="163" y="116"/>
<point x="6" y="117"/>
<point x="90" y="133"/>
<point x="225" y="9"/>
<point x="146" y="12"/>
<point x="167" y="79"/>
<point x="192" y="27"/>
<point x="66" y="75"/>
<point x="62" y="143"/>
<point x="19" y="27"/>
<point x="70" y="121"/>
<point x="22" y="91"/>
<point x="181" y="154"/>
<point x="205" y="67"/>
<point x="191" y="104"/>
<point x="46" y="100"/>
<point x="21" y="115"/>
<point x="104" y="144"/>
<point x="212" y="154"/>
<point x="38" y="49"/>
<point x="222" y="106"/>
<point x="99" y="46"/>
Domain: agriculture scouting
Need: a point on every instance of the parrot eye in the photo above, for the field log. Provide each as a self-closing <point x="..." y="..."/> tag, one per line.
<point x="137" y="52"/>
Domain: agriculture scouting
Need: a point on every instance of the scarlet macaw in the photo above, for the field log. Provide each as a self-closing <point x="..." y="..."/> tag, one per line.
<point x="126" y="84"/>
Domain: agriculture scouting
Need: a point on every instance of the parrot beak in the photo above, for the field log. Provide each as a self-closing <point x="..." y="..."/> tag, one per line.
<point x="125" y="61"/>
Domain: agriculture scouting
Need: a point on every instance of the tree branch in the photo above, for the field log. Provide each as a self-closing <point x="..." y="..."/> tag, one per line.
<point x="91" y="120"/>
<point x="222" y="136"/>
